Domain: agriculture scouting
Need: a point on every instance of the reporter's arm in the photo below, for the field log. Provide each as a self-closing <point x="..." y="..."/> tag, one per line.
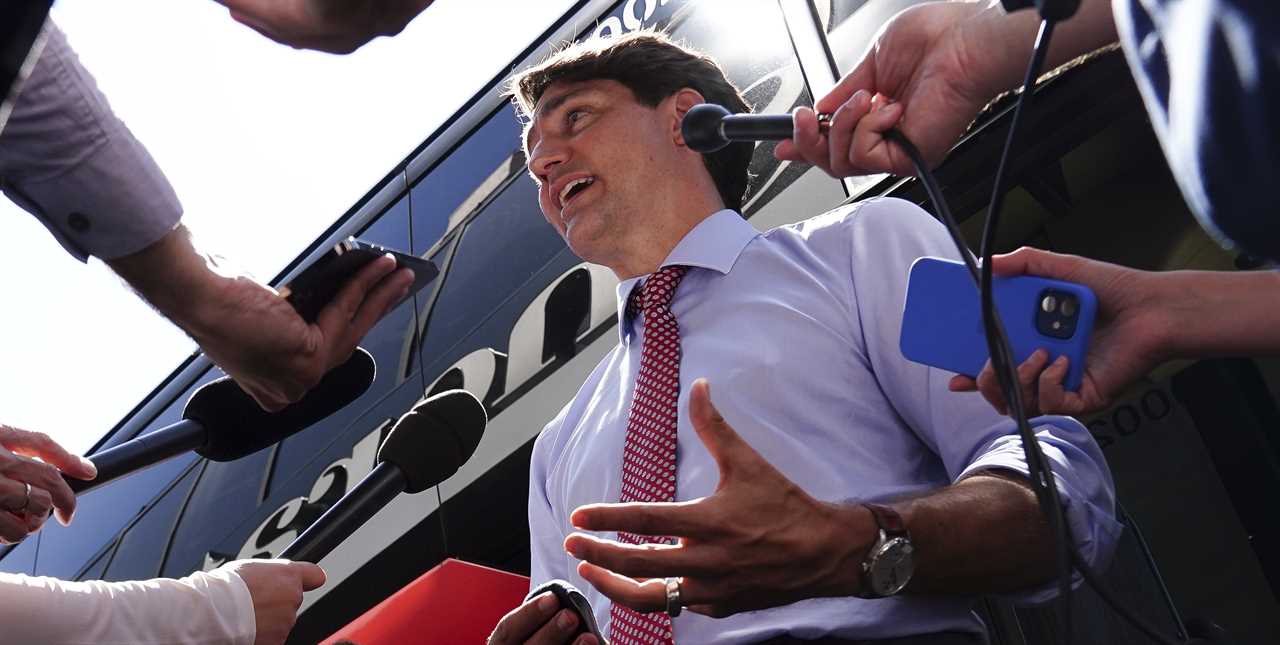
<point x="213" y="607"/>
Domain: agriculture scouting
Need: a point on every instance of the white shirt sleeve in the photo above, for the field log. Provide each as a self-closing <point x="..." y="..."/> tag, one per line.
<point x="200" y="609"/>
<point x="68" y="160"/>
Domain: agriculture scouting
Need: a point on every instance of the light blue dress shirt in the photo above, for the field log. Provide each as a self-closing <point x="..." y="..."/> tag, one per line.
<point x="797" y="331"/>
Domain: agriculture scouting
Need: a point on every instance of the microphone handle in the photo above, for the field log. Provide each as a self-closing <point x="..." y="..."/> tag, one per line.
<point x="141" y="452"/>
<point x="757" y="127"/>
<point x="366" y="498"/>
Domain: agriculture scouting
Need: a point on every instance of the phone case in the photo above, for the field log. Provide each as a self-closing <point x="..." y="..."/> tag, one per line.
<point x="942" y="320"/>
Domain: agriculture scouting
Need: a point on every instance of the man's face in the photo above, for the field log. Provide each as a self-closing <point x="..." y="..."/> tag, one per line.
<point x="598" y="156"/>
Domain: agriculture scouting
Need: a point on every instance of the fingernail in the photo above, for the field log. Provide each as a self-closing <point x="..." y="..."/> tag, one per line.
<point x="547" y="602"/>
<point x="1061" y="360"/>
<point x="566" y="620"/>
<point x="88" y="465"/>
<point x="884" y="109"/>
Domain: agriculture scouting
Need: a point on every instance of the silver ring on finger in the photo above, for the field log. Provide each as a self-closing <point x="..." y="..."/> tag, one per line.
<point x="26" y="503"/>
<point x="674" y="603"/>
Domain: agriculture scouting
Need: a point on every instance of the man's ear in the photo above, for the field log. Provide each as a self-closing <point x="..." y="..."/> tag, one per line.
<point x="681" y="102"/>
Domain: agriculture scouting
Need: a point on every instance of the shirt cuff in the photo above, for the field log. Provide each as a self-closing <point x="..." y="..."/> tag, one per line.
<point x="113" y="203"/>
<point x="1088" y="500"/>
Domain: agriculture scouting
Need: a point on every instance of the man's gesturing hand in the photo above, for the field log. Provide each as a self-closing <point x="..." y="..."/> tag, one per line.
<point x="759" y="541"/>
<point x="33" y="458"/>
<point x="540" y="621"/>
<point x="334" y="26"/>
<point x="276" y="587"/>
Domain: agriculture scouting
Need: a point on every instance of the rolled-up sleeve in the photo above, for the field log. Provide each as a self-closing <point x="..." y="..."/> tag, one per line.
<point x="68" y="160"/>
<point x="961" y="428"/>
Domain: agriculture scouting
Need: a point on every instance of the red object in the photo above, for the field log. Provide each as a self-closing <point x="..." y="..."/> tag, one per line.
<point x="456" y="602"/>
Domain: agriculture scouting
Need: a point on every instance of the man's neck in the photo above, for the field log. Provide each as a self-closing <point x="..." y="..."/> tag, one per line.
<point x="648" y="255"/>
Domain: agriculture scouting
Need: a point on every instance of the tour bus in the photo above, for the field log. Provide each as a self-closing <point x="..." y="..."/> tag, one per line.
<point x="519" y="321"/>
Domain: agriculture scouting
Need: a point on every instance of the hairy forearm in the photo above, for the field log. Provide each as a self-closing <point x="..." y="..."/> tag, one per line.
<point x="985" y="534"/>
<point x="1005" y="40"/>
<point x="1218" y="313"/>
<point x="177" y="279"/>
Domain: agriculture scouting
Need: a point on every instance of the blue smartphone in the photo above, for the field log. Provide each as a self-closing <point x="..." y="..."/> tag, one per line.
<point x="942" y="319"/>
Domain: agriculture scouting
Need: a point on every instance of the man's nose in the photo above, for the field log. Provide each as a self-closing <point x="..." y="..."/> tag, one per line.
<point x="545" y="157"/>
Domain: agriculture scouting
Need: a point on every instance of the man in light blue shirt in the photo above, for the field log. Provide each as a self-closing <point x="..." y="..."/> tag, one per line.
<point x="815" y="409"/>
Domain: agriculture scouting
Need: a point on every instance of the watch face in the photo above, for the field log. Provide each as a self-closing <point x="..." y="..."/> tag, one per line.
<point x="891" y="567"/>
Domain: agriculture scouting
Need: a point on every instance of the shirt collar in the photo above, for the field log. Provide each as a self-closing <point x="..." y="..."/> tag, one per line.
<point x="714" y="243"/>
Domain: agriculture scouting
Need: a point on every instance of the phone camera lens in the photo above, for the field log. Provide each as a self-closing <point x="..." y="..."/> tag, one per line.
<point x="1049" y="304"/>
<point x="1068" y="307"/>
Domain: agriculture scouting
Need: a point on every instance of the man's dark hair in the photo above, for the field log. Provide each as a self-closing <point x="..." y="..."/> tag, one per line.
<point x="653" y="68"/>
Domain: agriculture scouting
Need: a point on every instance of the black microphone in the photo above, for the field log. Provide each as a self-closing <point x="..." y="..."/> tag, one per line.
<point x="223" y="423"/>
<point x="425" y="447"/>
<point x="708" y="127"/>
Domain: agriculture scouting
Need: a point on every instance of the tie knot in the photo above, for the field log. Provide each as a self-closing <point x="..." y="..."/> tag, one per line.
<point x="658" y="289"/>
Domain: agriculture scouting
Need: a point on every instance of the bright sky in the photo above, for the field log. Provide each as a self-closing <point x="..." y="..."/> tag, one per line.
<point x="266" y="146"/>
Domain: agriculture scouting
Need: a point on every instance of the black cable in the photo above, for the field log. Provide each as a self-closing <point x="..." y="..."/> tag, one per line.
<point x="1041" y="476"/>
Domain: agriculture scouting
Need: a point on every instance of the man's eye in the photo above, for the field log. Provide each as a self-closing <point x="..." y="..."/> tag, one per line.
<point x="576" y="115"/>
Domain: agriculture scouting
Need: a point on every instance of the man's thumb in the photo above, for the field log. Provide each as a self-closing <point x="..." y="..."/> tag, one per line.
<point x="311" y="575"/>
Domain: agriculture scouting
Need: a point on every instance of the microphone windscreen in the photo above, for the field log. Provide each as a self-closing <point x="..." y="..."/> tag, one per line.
<point x="432" y="441"/>
<point x="236" y="426"/>
<point x="701" y="128"/>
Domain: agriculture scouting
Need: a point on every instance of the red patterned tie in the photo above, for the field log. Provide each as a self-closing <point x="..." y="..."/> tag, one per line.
<point x="649" y="455"/>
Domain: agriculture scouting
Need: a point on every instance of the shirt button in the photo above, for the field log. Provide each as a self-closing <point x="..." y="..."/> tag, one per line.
<point x="78" y="222"/>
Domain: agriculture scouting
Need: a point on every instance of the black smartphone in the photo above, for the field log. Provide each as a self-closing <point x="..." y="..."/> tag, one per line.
<point x="571" y="598"/>
<point x="317" y="285"/>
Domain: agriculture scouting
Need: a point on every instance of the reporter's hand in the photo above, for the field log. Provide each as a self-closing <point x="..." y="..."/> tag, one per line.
<point x="258" y="339"/>
<point x="1130" y="337"/>
<point x="334" y="26"/>
<point x="759" y="541"/>
<point x="540" y="621"/>
<point x="33" y="458"/>
<point x="276" y="587"/>
<point x="927" y="75"/>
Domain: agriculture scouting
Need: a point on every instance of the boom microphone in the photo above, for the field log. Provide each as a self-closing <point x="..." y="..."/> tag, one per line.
<point x="709" y="127"/>
<point x="223" y="423"/>
<point x="425" y="447"/>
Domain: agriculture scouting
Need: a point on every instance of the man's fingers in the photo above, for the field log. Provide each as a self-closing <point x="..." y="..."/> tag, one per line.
<point x="12" y="528"/>
<point x="1032" y="261"/>
<point x="385" y="296"/>
<point x="44" y="476"/>
<point x="334" y="319"/>
<point x="863" y="77"/>
<point x="311" y="575"/>
<point x="810" y="144"/>
<point x="1029" y="376"/>
<point x="684" y="519"/>
<point x="869" y="151"/>
<point x="989" y="386"/>
<point x="641" y="560"/>
<point x="962" y="383"/>
<point x="1053" y="397"/>
<point x="523" y="621"/>
<point x="724" y="444"/>
<point x="650" y="595"/>
<point x="557" y="630"/>
<point x="840" y="134"/>
<point x="38" y="444"/>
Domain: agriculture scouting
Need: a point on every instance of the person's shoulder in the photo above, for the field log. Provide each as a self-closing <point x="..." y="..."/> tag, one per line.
<point x="880" y="216"/>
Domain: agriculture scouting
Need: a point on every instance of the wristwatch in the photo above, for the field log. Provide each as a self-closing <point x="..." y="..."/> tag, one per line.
<point x="889" y="563"/>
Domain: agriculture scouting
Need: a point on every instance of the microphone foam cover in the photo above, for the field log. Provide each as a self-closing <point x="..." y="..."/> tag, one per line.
<point x="432" y="441"/>
<point x="701" y="128"/>
<point x="235" y="426"/>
